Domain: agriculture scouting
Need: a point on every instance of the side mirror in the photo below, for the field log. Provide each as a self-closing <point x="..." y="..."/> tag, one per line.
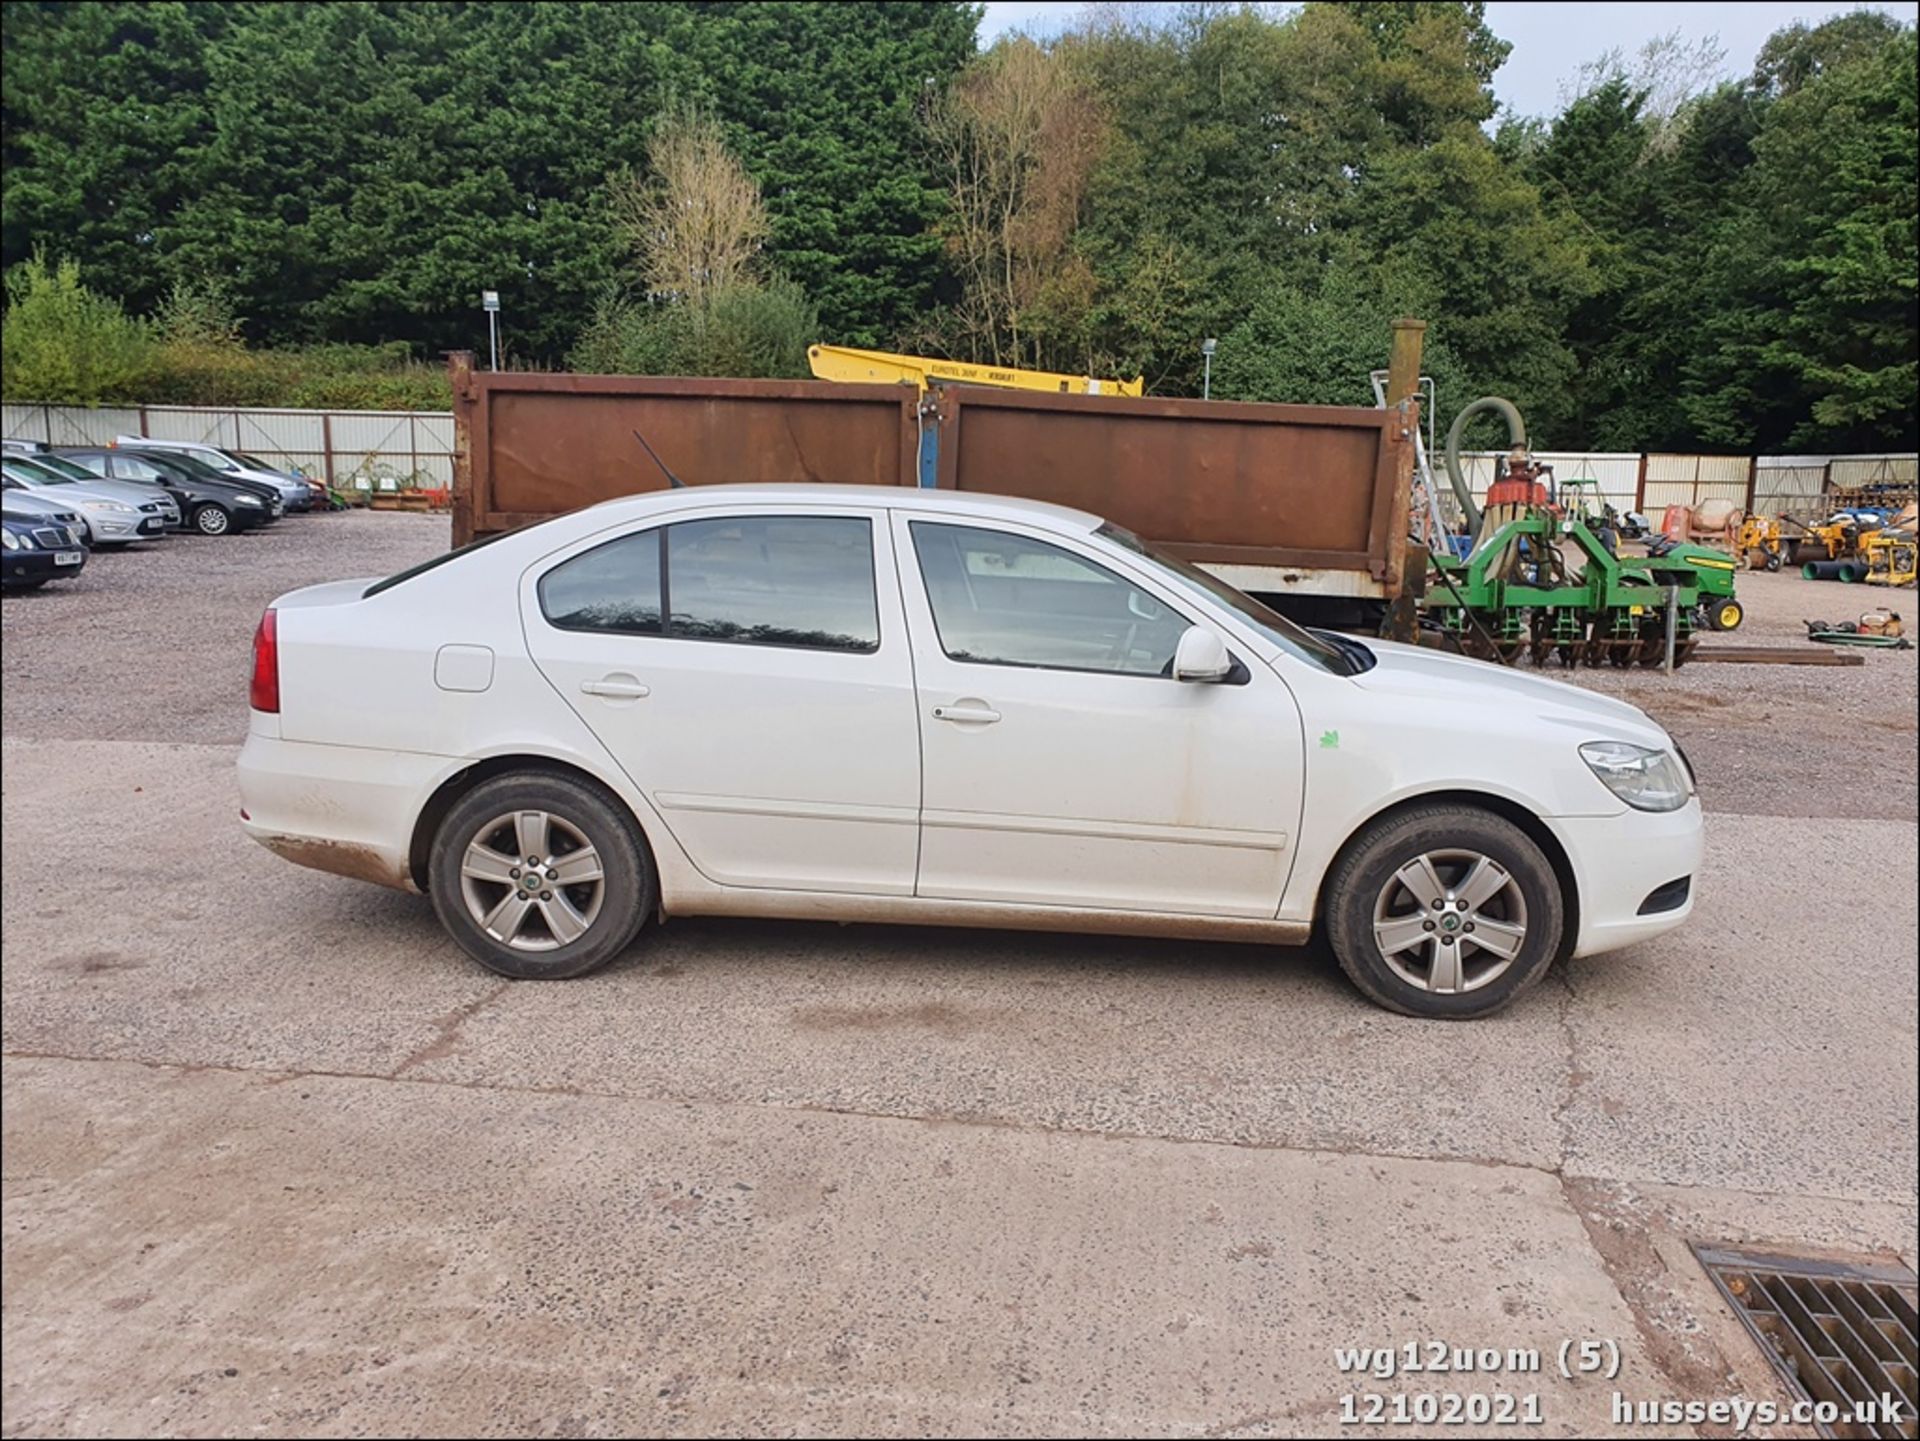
<point x="1201" y="656"/>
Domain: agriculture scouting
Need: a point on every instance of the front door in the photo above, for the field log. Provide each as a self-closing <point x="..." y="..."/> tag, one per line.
<point x="1062" y="764"/>
<point x="750" y="673"/>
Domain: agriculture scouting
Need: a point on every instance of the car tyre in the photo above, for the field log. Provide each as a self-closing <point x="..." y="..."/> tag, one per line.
<point x="1403" y="952"/>
<point x="211" y="519"/>
<point x="530" y="923"/>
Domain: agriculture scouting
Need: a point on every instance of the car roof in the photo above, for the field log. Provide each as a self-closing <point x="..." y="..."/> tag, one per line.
<point x="897" y="497"/>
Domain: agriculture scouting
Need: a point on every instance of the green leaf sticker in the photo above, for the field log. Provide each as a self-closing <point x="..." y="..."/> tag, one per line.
<point x="1329" y="740"/>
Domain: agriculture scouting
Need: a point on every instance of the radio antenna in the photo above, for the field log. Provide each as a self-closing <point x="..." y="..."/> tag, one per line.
<point x="673" y="480"/>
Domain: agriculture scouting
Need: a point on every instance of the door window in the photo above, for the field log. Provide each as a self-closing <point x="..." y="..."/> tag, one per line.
<point x="804" y="581"/>
<point x="1003" y="599"/>
<point x="613" y="587"/>
<point x="127" y="467"/>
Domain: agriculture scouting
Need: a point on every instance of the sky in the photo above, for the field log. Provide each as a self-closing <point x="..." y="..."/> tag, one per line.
<point x="1550" y="40"/>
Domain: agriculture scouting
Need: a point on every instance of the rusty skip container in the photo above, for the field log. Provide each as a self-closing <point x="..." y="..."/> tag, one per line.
<point x="1286" y="500"/>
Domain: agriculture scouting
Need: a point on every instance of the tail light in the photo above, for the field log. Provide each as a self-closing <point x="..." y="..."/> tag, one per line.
<point x="264" y="694"/>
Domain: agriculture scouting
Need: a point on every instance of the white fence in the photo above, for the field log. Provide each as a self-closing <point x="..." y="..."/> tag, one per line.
<point x="342" y="446"/>
<point x="1798" y="485"/>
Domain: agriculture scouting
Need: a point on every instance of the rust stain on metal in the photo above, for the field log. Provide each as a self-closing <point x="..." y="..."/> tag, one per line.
<point x="1316" y="487"/>
<point x="340" y="858"/>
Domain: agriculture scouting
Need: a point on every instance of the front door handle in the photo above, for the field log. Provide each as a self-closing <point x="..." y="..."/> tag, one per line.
<point x="618" y="687"/>
<point x="967" y="713"/>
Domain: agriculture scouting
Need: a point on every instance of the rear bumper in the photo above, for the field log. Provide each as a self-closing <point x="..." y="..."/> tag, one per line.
<point x="1620" y="862"/>
<point x="343" y="809"/>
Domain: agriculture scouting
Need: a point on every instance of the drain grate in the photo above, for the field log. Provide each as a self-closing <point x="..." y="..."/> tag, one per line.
<point x="1840" y="1334"/>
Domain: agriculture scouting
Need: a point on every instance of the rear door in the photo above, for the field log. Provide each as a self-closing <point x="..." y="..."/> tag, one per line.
<point x="749" y="669"/>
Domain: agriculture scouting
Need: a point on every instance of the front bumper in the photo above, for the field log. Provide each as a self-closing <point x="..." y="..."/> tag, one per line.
<point x="24" y="567"/>
<point x="1619" y="862"/>
<point x="111" y="528"/>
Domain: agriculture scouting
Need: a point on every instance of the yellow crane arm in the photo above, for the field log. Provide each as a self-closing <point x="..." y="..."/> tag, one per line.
<point x="844" y="363"/>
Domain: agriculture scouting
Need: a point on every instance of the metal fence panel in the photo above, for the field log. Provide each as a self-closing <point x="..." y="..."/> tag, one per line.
<point x="1851" y="471"/>
<point x="1790" y="484"/>
<point x="1617" y="473"/>
<point x="69" y="424"/>
<point x="387" y="450"/>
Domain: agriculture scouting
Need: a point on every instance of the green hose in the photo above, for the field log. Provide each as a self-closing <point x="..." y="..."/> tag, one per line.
<point x="1517" y="436"/>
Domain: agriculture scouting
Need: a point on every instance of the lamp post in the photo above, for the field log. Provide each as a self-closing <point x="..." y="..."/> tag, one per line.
<point x="1207" y="347"/>
<point x="490" y="302"/>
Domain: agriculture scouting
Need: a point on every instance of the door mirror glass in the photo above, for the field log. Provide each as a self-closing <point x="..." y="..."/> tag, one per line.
<point x="1201" y="656"/>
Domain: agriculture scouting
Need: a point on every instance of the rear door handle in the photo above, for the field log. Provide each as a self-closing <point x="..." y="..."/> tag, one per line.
<point x="619" y="687"/>
<point x="967" y="713"/>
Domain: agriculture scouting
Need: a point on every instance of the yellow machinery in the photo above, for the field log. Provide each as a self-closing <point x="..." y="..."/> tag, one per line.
<point x="1890" y="555"/>
<point x="1759" y="543"/>
<point x="879" y="367"/>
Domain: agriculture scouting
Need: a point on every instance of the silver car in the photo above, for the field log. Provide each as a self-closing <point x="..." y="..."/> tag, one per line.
<point x="114" y="512"/>
<point x="296" y="492"/>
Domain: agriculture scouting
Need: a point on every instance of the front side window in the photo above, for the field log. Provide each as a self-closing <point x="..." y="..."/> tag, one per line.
<point x="803" y="581"/>
<point x="1003" y="599"/>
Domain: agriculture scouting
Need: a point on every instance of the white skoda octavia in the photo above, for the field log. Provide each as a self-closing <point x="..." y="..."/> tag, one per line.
<point x="877" y="704"/>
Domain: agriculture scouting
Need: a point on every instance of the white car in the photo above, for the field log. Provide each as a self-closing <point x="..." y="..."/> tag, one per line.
<point x="880" y="704"/>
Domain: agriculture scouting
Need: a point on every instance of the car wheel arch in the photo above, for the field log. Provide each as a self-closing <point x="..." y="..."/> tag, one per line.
<point x="1528" y="823"/>
<point x="447" y="794"/>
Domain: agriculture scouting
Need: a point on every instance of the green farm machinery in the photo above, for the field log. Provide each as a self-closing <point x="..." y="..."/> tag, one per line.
<point x="1543" y="578"/>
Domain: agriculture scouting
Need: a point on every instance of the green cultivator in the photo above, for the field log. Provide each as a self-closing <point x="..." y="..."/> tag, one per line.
<point x="1546" y="580"/>
<point x="1517" y="591"/>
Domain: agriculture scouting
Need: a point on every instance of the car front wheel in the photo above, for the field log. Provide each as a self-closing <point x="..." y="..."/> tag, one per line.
<point x="540" y="877"/>
<point x="1444" y="911"/>
<point x="211" y="520"/>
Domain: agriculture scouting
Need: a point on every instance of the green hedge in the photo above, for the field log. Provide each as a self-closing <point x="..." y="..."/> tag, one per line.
<point x="63" y="344"/>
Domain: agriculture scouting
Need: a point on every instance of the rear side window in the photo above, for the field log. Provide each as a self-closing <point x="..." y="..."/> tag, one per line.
<point x="804" y="581"/>
<point x="614" y="587"/>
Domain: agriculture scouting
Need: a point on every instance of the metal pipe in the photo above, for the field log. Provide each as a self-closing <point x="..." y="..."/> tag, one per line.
<point x="1673" y="625"/>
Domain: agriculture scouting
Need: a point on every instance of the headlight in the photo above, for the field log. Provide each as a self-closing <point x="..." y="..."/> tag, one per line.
<point x="9" y="539"/>
<point x="252" y="500"/>
<point x="1647" y="780"/>
<point x="107" y="505"/>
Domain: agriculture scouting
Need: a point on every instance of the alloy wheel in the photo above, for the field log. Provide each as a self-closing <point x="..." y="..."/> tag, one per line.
<point x="1450" y="921"/>
<point x="532" y="880"/>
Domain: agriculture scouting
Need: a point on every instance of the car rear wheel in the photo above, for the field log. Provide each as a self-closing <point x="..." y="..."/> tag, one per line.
<point x="211" y="520"/>
<point x="540" y="877"/>
<point x="1444" y="911"/>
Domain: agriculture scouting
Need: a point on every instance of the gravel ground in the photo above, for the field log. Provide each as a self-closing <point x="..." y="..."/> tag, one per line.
<point x="192" y="685"/>
<point x="1791" y="740"/>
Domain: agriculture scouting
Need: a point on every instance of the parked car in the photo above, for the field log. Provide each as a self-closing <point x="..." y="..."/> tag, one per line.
<point x="41" y="507"/>
<point x="136" y="463"/>
<point x="209" y="505"/>
<point x="11" y="446"/>
<point x="114" y="512"/>
<point x="35" y="550"/>
<point x="879" y="704"/>
<point x="296" y="491"/>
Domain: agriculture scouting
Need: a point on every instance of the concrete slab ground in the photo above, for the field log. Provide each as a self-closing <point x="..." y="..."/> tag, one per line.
<point x="280" y="1160"/>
